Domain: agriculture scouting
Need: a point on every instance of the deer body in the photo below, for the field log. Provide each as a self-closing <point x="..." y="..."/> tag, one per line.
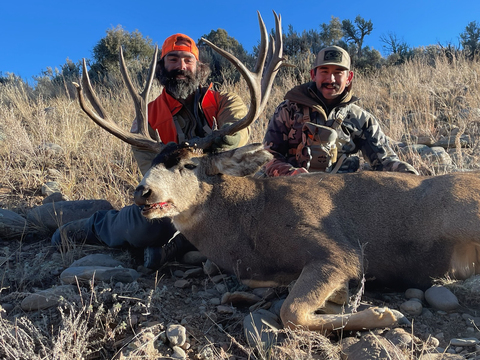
<point x="319" y="229"/>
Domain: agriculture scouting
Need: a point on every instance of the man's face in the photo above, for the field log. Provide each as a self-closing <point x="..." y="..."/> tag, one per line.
<point x="179" y="74"/>
<point x="331" y="80"/>
<point x="180" y="60"/>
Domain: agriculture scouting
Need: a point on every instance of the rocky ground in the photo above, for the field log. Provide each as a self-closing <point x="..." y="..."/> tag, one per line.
<point x="70" y="302"/>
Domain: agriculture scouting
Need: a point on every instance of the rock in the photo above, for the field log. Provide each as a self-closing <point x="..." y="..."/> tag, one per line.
<point x="261" y="327"/>
<point x="97" y="260"/>
<point x="441" y="356"/>
<point x="276" y="306"/>
<point x="441" y="298"/>
<point x="464" y="342"/>
<point x="415" y="294"/>
<point x="400" y="338"/>
<point x="449" y="141"/>
<point x="222" y="309"/>
<point x="178" y="353"/>
<point x="52" y="215"/>
<point x="240" y="298"/>
<point x="471" y="320"/>
<point x="411" y="307"/>
<point x="45" y="299"/>
<point x="210" y="268"/>
<point x="182" y="284"/>
<point x="50" y="188"/>
<point x="55" y="197"/>
<point x="50" y="149"/>
<point x="176" y="334"/>
<point x="371" y="347"/>
<point x="98" y="273"/>
<point x="193" y="272"/>
<point x="12" y="225"/>
<point x="218" y="278"/>
<point x="473" y="285"/>
<point x="194" y="258"/>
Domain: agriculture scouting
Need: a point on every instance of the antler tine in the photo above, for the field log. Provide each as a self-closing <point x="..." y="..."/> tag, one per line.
<point x="142" y="139"/>
<point x="259" y="88"/>
<point x="276" y="60"/>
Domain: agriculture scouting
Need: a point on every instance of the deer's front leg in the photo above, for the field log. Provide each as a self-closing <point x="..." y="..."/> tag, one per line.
<point x="316" y="284"/>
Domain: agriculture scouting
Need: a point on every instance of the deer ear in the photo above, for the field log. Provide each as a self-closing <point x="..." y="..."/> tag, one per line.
<point x="242" y="161"/>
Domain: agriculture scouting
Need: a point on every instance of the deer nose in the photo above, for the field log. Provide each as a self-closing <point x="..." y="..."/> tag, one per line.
<point x="141" y="194"/>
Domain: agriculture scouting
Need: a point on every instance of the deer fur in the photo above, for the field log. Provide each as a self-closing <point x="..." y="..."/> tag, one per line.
<point x="321" y="230"/>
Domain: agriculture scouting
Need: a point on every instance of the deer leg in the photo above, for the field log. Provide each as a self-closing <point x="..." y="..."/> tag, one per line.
<point x="316" y="284"/>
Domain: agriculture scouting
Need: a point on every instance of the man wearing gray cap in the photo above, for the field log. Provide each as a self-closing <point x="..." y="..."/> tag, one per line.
<point x="319" y="127"/>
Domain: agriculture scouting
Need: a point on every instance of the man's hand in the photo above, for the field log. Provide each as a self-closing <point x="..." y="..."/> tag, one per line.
<point x="226" y="142"/>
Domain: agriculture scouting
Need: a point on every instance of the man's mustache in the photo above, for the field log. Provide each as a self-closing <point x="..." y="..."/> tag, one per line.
<point x="174" y="73"/>
<point x="335" y="85"/>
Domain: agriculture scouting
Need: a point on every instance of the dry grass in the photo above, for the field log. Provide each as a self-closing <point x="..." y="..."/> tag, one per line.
<point x="412" y="99"/>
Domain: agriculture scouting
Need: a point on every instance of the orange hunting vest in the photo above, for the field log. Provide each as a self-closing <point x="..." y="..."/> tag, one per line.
<point x="163" y="108"/>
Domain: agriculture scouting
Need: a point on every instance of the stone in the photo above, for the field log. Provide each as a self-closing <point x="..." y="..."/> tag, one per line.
<point x="194" y="258"/>
<point x="411" y="307"/>
<point x="45" y="299"/>
<point x="210" y="268"/>
<point x="414" y="293"/>
<point x="50" y="188"/>
<point x="193" y="272"/>
<point x="464" y="342"/>
<point x="371" y="347"/>
<point x="97" y="260"/>
<point x="441" y="298"/>
<point x="176" y="334"/>
<point x="98" y="273"/>
<point x="400" y="338"/>
<point x="261" y="327"/>
<point x="178" y="353"/>
<point x="55" y="197"/>
<point x="182" y="284"/>
<point x="240" y="298"/>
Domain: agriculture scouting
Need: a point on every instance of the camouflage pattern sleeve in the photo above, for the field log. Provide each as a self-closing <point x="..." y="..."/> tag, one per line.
<point x="276" y="140"/>
<point x="375" y="147"/>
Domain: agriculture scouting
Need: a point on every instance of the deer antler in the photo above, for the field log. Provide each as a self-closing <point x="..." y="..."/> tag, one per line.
<point x="141" y="138"/>
<point x="259" y="86"/>
<point x="259" y="92"/>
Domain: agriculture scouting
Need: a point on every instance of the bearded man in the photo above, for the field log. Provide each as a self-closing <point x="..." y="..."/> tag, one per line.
<point x="184" y="111"/>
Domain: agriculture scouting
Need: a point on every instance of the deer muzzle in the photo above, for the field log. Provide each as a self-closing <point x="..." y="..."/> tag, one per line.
<point x="141" y="195"/>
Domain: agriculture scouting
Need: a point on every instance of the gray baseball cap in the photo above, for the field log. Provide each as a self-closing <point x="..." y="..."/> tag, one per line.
<point x="333" y="55"/>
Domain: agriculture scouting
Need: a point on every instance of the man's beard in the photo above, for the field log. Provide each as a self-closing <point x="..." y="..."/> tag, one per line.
<point x="179" y="88"/>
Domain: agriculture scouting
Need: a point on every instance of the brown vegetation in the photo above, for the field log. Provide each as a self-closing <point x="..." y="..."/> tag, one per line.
<point x="433" y="99"/>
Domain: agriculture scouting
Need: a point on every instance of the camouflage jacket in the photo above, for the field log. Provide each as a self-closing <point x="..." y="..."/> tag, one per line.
<point x="358" y="130"/>
<point x="230" y="109"/>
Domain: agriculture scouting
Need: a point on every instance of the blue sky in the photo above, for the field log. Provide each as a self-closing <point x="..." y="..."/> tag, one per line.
<point x="40" y="34"/>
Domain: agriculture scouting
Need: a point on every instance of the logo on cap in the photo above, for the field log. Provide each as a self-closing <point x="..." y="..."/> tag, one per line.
<point x="333" y="56"/>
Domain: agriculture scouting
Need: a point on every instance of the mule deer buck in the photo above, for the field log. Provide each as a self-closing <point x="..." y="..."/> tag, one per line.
<point x="313" y="229"/>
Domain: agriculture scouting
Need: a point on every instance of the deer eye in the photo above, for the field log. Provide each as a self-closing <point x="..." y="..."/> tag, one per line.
<point x="190" y="166"/>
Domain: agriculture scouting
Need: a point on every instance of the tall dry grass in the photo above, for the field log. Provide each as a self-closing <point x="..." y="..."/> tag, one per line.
<point x="416" y="98"/>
